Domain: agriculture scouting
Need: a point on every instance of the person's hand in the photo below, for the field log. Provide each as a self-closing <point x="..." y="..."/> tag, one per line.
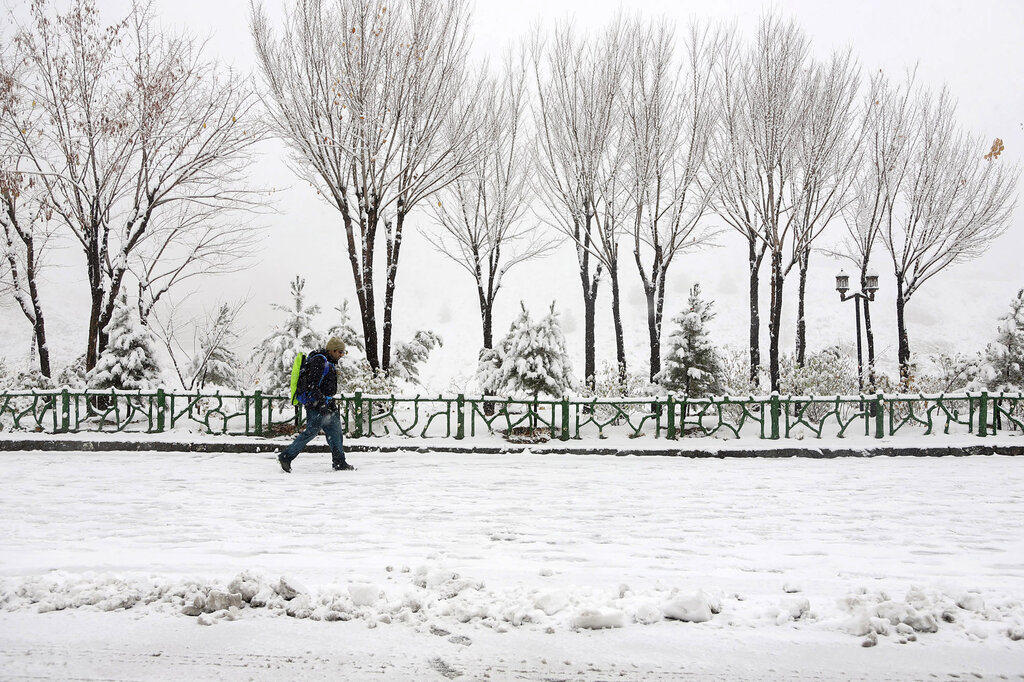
<point x="329" y="406"/>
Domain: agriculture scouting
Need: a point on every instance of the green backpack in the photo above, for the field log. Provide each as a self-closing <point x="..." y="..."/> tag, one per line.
<point x="297" y="367"/>
<point x="296" y="371"/>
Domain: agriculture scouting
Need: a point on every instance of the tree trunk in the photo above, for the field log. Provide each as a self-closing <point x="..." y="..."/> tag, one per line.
<point x="774" y="321"/>
<point x="32" y="309"/>
<point x="620" y="345"/>
<point x="369" y="307"/>
<point x="801" y="320"/>
<point x="588" y="338"/>
<point x="39" y="325"/>
<point x="488" y="321"/>
<point x="590" y="286"/>
<point x="653" y="335"/>
<point x="754" y="264"/>
<point x="95" y="305"/>
<point x="394" y="251"/>
<point x="659" y="316"/>
<point x="367" y="315"/>
<point x="903" y="354"/>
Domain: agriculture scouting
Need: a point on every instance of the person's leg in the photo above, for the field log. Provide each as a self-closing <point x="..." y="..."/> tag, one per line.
<point x="314" y="421"/>
<point x="332" y="429"/>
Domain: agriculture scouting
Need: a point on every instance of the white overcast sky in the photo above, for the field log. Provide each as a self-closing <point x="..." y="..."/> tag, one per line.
<point x="974" y="48"/>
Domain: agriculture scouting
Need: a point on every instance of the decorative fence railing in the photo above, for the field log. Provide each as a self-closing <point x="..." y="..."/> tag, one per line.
<point x="766" y="417"/>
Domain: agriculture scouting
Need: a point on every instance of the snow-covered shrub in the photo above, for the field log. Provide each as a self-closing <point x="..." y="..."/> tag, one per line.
<point x="607" y="384"/>
<point x="1003" y="365"/>
<point x="531" y="359"/>
<point x="693" y="366"/>
<point x="359" y="376"/>
<point x="29" y="379"/>
<point x="736" y="374"/>
<point x="73" y="374"/>
<point x="129" y="360"/>
<point x="825" y="373"/>
<point x="944" y="373"/>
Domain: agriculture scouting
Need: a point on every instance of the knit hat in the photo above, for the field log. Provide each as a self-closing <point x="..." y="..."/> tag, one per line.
<point x="334" y="343"/>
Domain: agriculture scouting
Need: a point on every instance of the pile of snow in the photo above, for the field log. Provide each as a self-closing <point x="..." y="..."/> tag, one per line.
<point x="437" y="599"/>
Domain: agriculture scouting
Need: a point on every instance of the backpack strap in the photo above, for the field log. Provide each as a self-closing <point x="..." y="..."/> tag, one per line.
<point x="327" y="367"/>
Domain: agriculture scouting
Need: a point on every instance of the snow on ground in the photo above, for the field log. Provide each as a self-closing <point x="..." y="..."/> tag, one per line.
<point x="434" y="566"/>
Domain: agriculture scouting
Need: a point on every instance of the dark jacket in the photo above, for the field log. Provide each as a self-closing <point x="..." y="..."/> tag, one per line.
<point x="320" y="387"/>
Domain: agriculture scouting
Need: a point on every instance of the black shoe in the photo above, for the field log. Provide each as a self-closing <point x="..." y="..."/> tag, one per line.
<point x="344" y="467"/>
<point x="285" y="464"/>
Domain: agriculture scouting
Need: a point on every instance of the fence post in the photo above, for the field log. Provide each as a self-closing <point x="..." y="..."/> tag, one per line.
<point x="160" y="406"/>
<point x="671" y="407"/>
<point x="358" y="399"/>
<point x="257" y="422"/>
<point x="879" y="418"/>
<point x="983" y="415"/>
<point x="775" y="411"/>
<point x="65" y="411"/>
<point x="460" y="407"/>
<point x="565" y="419"/>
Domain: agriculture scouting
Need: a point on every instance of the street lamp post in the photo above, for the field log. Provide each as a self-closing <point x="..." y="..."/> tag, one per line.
<point x="870" y="287"/>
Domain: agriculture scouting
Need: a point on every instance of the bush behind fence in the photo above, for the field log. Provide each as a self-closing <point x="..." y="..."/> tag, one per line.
<point x="668" y="417"/>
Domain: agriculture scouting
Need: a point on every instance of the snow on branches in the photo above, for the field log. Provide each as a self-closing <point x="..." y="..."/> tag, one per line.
<point x="129" y="360"/>
<point x="531" y="359"/>
<point x="693" y="365"/>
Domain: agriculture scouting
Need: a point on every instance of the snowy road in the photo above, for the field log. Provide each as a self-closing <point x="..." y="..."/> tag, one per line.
<point x="503" y="566"/>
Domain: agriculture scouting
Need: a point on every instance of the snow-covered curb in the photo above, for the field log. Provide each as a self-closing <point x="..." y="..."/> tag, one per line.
<point x="938" y="445"/>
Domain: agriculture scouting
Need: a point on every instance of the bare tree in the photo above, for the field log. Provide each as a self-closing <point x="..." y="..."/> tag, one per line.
<point x="23" y="214"/>
<point x="669" y="120"/>
<point x="482" y="215"/>
<point x="762" y="101"/>
<point x="190" y="241"/>
<point x="826" y="165"/>
<point x="784" y="159"/>
<point x="882" y="164"/>
<point x="371" y="100"/>
<point x="207" y="356"/>
<point x="578" y="83"/>
<point x="949" y="207"/>
<point x="132" y="122"/>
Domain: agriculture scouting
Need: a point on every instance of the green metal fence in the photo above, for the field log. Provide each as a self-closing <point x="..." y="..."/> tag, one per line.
<point x="669" y="417"/>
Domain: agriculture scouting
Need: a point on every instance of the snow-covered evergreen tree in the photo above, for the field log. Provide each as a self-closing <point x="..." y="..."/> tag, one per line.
<point x="531" y="359"/>
<point x="488" y="370"/>
<point x="693" y="366"/>
<point x="354" y="373"/>
<point x="408" y="356"/>
<point x="344" y="330"/>
<point x="295" y="335"/>
<point x="129" y="361"/>
<point x="1003" y="368"/>
<point x="215" y="363"/>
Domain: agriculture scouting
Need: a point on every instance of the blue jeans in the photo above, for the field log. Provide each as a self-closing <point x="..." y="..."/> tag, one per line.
<point x="331" y="425"/>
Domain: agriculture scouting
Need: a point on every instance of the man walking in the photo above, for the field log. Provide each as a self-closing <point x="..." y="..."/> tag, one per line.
<point x="318" y="382"/>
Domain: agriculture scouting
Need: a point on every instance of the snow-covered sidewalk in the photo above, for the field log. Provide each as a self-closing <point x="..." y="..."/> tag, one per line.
<point x="505" y="566"/>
